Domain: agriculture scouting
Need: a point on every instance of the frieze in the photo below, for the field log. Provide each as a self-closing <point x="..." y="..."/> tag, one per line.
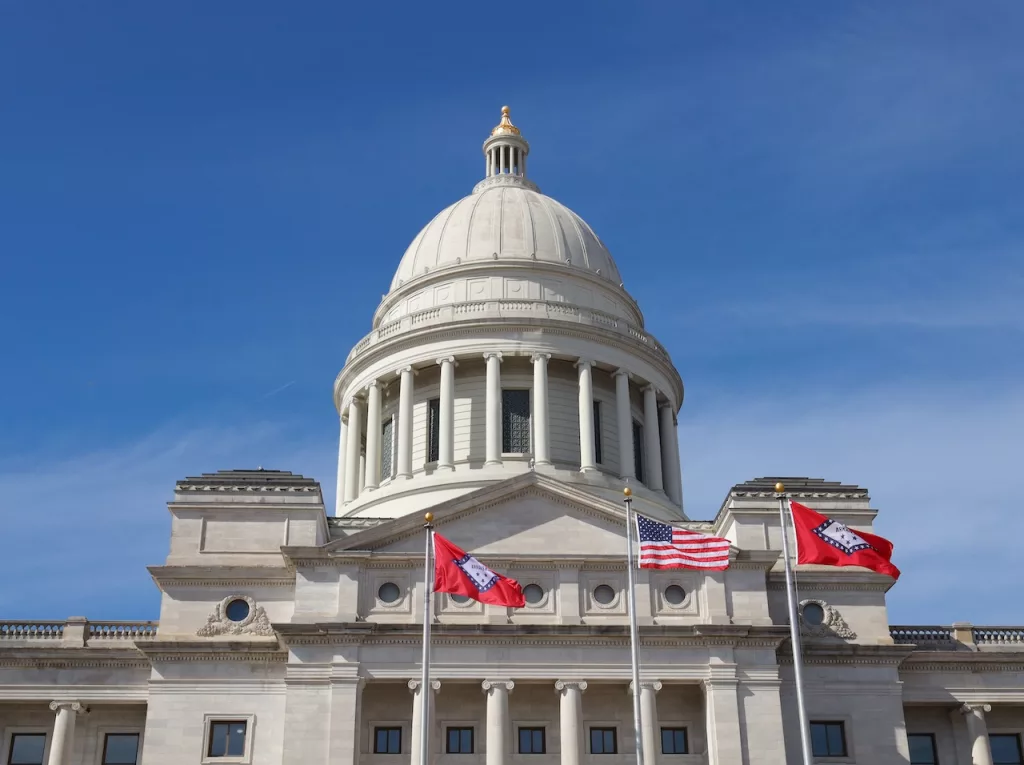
<point x="71" y="663"/>
<point x="810" y="584"/>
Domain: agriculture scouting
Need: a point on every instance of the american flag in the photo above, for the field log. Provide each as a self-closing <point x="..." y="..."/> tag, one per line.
<point x="664" y="546"/>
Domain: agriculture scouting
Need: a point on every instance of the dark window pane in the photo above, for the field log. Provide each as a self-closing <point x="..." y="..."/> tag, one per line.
<point x="227" y="739"/>
<point x="433" y="429"/>
<point x="828" y="739"/>
<point x="515" y="421"/>
<point x="673" y="741"/>
<point x="597" y="433"/>
<point x="27" y="748"/>
<point x="531" y="741"/>
<point x="387" y="448"/>
<point x="121" y="749"/>
<point x="236" y="739"/>
<point x="602" y="741"/>
<point x="387" y="740"/>
<point x="638" y="451"/>
<point x="1006" y="749"/>
<point x="460" y="741"/>
<point x="922" y="749"/>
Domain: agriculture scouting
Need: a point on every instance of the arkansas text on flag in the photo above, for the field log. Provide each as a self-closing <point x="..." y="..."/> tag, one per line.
<point x="664" y="546"/>
<point x="827" y="542"/>
<point x="457" y="573"/>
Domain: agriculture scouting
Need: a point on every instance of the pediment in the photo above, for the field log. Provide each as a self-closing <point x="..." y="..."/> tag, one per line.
<point x="527" y="515"/>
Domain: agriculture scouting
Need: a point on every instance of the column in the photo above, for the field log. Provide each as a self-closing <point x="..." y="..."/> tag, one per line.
<point x="343" y="731"/>
<point x="339" y="495"/>
<point x="541" y="428"/>
<point x="586" y="397"/>
<point x="669" y="456"/>
<point x="416" y="731"/>
<point x="977" y="732"/>
<point x="493" y="409"/>
<point x="676" y="461"/>
<point x="62" y="742"/>
<point x="570" y="724"/>
<point x="446" y="426"/>
<point x="624" y="420"/>
<point x="405" y="423"/>
<point x="650" y="732"/>
<point x="373" y="433"/>
<point x="498" y="723"/>
<point x="652" y="451"/>
<point x="355" y="436"/>
<point x="722" y="710"/>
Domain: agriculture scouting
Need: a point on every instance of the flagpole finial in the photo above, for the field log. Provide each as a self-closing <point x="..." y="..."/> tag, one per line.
<point x="627" y="492"/>
<point x="780" y="488"/>
<point x="428" y="518"/>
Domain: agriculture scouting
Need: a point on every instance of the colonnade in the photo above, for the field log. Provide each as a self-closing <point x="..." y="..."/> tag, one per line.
<point x="660" y="448"/>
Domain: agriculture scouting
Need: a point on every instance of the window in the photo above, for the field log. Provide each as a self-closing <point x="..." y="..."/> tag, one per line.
<point x="227" y="738"/>
<point x="433" y="430"/>
<point x="531" y="741"/>
<point x="828" y="739"/>
<point x="638" y="451"/>
<point x="515" y="421"/>
<point x="1006" y="749"/>
<point x="121" y="749"/>
<point x="673" y="741"/>
<point x="387" y="740"/>
<point x="27" y="749"/>
<point x="460" y="741"/>
<point x="387" y="448"/>
<point x="597" y="433"/>
<point x="602" y="741"/>
<point x="922" y="749"/>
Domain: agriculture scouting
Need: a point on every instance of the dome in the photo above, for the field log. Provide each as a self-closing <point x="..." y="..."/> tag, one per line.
<point x="505" y="219"/>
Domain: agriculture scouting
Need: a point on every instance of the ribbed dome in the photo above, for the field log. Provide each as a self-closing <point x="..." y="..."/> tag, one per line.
<point x="506" y="222"/>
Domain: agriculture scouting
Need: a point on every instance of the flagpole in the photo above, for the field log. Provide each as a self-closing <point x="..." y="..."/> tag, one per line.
<point x="794" y="631"/>
<point x="634" y="641"/>
<point x="428" y="588"/>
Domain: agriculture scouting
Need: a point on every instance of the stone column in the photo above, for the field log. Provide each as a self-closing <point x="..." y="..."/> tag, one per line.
<point x="650" y="731"/>
<point x="355" y="436"/>
<point x="977" y="731"/>
<point x="676" y="461"/>
<point x="446" y="415"/>
<point x="416" y="730"/>
<point x="541" y="428"/>
<point x="669" y="456"/>
<point x="405" y="423"/>
<point x="722" y="711"/>
<point x="63" y="740"/>
<point x="652" y="470"/>
<point x="493" y="409"/>
<point x="498" y="723"/>
<point x="624" y="420"/>
<point x="339" y="495"/>
<point x="586" y="400"/>
<point x="373" y="433"/>
<point x="571" y="719"/>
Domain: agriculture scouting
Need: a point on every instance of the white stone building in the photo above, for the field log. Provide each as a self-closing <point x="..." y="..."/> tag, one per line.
<point x="510" y="387"/>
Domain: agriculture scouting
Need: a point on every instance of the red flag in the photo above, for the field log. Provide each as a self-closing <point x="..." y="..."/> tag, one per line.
<point x="461" y="574"/>
<point x="827" y="542"/>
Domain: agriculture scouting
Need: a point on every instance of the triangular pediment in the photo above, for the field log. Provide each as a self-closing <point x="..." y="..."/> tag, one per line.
<point x="527" y="515"/>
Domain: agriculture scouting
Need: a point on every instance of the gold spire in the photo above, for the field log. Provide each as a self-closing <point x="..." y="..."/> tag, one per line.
<point x="505" y="127"/>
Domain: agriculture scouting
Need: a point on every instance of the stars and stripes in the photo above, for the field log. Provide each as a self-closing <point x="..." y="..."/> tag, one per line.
<point x="665" y="546"/>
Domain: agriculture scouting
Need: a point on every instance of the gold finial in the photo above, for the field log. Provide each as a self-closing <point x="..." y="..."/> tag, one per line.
<point x="780" y="488"/>
<point x="429" y="517"/>
<point x="627" y="492"/>
<point x="505" y="127"/>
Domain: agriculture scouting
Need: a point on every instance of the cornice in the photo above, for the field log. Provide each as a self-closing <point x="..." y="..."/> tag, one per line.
<point x="846" y="653"/>
<point x="215" y="650"/>
<point x="222" y="576"/>
<point x="831" y="579"/>
<point x="34" y="657"/>
<point x="964" y="661"/>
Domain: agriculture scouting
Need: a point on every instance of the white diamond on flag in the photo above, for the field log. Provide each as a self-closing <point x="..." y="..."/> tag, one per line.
<point x="841" y="537"/>
<point x="481" y="576"/>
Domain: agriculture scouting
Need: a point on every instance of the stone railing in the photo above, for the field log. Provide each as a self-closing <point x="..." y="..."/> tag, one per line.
<point x="76" y="632"/>
<point x="508" y="309"/>
<point x="999" y="636"/>
<point x="960" y="636"/>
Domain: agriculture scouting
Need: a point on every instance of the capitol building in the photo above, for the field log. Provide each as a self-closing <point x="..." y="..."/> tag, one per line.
<point x="510" y="386"/>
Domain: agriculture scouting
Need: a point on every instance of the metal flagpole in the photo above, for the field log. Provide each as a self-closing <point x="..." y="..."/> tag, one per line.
<point x="634" y="641"/>
<point x="794" y="631"/>
<point x="428" y="588"/>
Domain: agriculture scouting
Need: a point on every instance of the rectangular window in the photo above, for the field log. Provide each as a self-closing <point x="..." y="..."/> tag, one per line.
<point x="515" y="421"/>
<point x="673" y="741"/>
<point x="828" y="739"/>
<point x="1006" y="749"/>
<point x="387" y="740"/>
<point x="922" y="749"/>
<point x="121" y="749"/>
<point x="227" y="739"/>
<point x="602" y="741"/>
<point x="27" y="749"/>
<point x="597" y="433"/>
<point x="460" y="741"/>
<point x="387" y="448"/>
<point x="638" y="451"/>
<point x="433" y="430"/>
<point x="531" y="741"/>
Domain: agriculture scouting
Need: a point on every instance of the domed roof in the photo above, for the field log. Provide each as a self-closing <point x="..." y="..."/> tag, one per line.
<point x="506" y="222"/>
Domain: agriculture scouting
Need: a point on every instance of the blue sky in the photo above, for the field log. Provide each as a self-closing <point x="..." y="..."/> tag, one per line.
<point x="817" y="205"/>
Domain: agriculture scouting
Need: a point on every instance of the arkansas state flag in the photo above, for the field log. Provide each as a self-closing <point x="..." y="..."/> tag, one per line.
<point x="830" y="543"/>
<point x="461" y="574"/>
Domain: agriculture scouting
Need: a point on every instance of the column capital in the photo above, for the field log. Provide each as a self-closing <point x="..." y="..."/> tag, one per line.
<point x="374" y="383"/>
<point x="583" y="363"/>
<point x="406" y="368"/>
<point x="443" y="359"/>
<point x="651" y="387"/>
<point x="970" y="708"/>
<point x="570" y="685"/>
<point x="493" y="354"/>
<point x="74" y="706"/>
<point x="647" y="685"/>
<point x="540" y="357"/>
<point x="488" y="685"/>
<point x="414" y="685"/>
<point x="622" y="372"/>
